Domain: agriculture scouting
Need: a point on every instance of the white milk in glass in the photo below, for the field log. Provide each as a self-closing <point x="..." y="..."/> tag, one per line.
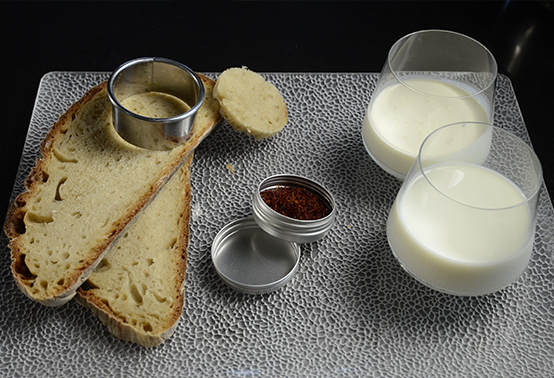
<point x="470" y="234"/>
<point x="402" y="115"/>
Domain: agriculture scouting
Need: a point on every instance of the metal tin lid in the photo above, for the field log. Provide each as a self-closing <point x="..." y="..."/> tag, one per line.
<point x="287" y="228"/>
<point x="251" y="260"/>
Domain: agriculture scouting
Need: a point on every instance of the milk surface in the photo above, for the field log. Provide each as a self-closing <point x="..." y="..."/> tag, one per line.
<point x="470" y="234"/>
<point x="402" y="116"/>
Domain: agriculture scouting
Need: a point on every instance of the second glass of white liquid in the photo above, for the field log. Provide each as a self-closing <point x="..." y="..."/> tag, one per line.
<point x="431" y="78"/>
<point x="464" y="219"/>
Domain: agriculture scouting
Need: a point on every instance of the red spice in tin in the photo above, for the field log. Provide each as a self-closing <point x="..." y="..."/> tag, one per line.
<point x="295" y="202"/>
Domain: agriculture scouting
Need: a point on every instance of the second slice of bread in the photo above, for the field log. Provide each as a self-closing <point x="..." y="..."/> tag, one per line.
<point x="85" y="189"/>
<point x="137" y="290"/>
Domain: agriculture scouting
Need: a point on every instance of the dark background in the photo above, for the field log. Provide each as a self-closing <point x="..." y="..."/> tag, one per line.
<point x="282" y="36"/>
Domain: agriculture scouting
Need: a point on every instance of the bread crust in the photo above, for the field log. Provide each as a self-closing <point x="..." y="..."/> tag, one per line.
<point x="15" y="226"/>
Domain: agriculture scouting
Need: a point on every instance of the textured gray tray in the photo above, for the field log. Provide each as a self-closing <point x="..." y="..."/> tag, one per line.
<point x="349" y="312"/>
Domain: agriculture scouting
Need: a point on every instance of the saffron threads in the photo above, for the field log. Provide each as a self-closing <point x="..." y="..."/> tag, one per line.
<point x="295" y="202"/>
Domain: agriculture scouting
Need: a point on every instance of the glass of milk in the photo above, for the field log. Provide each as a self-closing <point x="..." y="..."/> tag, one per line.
<point x="431" y="78"/>
<point x="464" y="219"/>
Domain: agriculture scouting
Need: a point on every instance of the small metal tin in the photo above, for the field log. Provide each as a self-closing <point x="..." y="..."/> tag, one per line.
<point x="290" y="229"/>
<point x="161" y="75"/>
<point x="251" y="260"/>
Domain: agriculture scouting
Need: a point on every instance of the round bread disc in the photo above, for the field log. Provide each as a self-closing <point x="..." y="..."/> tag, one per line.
<point x="249" y="103"/>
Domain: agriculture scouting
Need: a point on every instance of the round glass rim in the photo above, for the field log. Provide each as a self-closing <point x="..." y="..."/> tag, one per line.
<point x="493" y="127"/>
<point x="470" y="95"/>
<point x="118" y="71"/>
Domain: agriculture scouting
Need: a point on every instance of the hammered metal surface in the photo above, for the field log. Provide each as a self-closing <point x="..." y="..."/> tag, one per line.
<point x="349" y="312"/>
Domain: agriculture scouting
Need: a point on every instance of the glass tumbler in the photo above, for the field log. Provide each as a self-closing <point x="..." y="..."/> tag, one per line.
<point x="431" y="78"/>
<point x="463" y="221"/>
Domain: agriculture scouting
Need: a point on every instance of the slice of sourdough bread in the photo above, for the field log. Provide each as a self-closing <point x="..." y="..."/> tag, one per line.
<point x="137" y="290"/>
<point x="84" y="190"/>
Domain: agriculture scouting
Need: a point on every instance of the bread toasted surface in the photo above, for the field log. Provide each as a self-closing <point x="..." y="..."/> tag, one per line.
<point x="84" y="190"/>
<point x="249" y="103"/>
<point x="137" y="290"/>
